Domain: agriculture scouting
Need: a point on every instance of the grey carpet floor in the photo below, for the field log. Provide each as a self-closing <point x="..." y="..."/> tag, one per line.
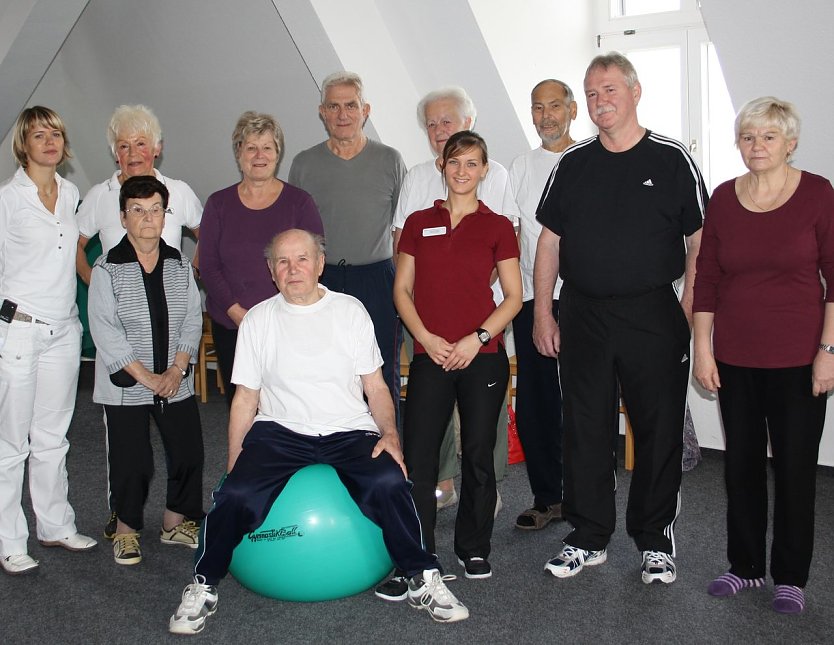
<point x="86" y="598"/>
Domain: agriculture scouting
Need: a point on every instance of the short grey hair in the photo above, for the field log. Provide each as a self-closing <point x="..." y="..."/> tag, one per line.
<point x="318" y="241"/>
<point x="342" y="78"/>
<point x="768" y="111"/>
<point x="615" y="59"/>
<point x="453" y="93"/>
<point x="253" y="123"/>
<point x="133" y="119"/>
<point x="565" y="87"/>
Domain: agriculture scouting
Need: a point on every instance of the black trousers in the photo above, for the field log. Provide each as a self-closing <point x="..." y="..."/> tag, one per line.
<point x="479" y="391"/>
<point x="130" y="458"/>
<point x="538" y="410"/>
<point x="643" y="342"/>
<point x="225" y="341"/>
<point x="271" y="455"/>
<point x="373" y="286"/>
<point x="757" y="403"/>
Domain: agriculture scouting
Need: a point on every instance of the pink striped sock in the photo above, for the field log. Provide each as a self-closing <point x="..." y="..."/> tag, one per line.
<point x="730" y="584"/>
<point x="788" y="599"/>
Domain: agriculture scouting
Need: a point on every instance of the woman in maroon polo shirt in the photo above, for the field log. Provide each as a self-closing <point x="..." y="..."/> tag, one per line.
<point x="767" y="237"/>
<point x="447" y="258"/>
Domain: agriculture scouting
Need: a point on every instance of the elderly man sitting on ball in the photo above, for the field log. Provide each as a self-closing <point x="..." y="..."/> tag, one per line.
<point x="304" y="358"/>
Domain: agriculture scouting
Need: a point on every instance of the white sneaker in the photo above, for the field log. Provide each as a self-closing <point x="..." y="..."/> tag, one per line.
<point x="199" y="601"/>
<point x="499" y="504"/>
<point x="659" y="566"/>
<point x="428" y="591"/>
<point x="571" y="560"/>
<point x="19" y="564"/>
<point x="445" y="498"/>
<point x="76" y="542"/>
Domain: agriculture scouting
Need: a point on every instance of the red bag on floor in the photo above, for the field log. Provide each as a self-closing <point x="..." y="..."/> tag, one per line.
<point x="515" y="455"/>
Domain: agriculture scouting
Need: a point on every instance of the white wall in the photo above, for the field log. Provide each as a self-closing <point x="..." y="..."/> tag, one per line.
<point x="539" y="39"/>
<point x="785" y="49"/>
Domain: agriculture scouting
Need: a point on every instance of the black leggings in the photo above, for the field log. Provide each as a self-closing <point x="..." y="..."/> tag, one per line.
<point x="479" y="391"/>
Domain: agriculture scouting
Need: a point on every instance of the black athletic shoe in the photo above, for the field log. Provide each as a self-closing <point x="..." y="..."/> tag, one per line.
<point x="110" y="527"/>
<point x="476" y="567"/>
<point x="394" y="589"/>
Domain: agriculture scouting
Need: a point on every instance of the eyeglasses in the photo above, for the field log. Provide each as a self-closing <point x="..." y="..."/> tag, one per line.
<point x="153" y="211"/>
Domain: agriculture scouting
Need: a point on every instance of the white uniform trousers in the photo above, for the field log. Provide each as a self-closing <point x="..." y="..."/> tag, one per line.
<point x="39" y="367"/>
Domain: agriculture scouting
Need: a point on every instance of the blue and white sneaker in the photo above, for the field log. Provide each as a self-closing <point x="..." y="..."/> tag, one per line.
<point x="658" y="566"/>
<point x="571" y="560"/>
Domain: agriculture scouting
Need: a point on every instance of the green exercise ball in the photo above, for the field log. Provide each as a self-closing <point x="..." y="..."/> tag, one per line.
<point x="315" y="544"/>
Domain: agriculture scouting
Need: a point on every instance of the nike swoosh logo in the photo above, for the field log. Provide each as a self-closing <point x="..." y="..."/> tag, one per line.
<point x="491" y="384"/>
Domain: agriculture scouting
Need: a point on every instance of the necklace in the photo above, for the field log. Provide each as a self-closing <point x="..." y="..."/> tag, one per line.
<point x="776" y="199"/>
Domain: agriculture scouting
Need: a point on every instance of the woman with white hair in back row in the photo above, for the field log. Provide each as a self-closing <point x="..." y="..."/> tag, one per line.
<point x="135" y="138"/>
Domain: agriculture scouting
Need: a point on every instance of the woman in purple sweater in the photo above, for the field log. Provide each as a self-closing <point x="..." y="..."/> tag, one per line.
<point x="238" y="223"/>
<point x="764" y="339"/>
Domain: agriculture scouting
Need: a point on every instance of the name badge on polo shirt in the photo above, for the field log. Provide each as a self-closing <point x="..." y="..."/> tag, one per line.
<point x="431" y="232"/>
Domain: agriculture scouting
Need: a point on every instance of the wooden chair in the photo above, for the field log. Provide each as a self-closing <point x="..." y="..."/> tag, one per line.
<point x="404" y="365"/>
<point x="629" y="438"/>
<point x="511" y="388"/>
<point x="207" y="354"/>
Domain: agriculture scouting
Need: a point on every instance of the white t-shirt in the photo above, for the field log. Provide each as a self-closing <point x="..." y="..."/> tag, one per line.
<point x="307" y="362"/>
<point x="528" y="177"/>
<point x="37" y="249"/>
<point x="99" y="212"/>
<point x="424" y="183"/>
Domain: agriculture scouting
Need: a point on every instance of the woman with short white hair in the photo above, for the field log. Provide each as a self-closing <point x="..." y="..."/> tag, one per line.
<point x="135" y="139"/>
<point x="764" y="340"/>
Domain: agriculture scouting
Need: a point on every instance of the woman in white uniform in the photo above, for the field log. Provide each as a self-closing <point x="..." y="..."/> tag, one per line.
<point x="40" y="340"/>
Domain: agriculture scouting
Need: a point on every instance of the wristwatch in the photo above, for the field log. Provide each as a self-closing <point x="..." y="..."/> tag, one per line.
<point x="827" y="348"/>
<point x="483" y="335"/>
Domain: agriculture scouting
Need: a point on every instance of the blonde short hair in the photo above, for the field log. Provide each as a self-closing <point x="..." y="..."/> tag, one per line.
<point x="255" y="123"/>
<point x="28" y="119"/>
<point x="768" y="111"/>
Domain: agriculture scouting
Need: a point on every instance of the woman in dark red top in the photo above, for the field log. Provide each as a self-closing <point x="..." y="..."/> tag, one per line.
<point x="764" y="339"/>
<point x="447" y="258"/>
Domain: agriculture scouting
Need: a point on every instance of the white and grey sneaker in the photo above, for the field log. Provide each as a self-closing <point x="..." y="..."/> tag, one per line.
<point x="199" y="601"/>
<point x="19" y="564"/>
<point x="428" y="591"/>
<point x="659" y="566"/>
<point x="572" y="559"/>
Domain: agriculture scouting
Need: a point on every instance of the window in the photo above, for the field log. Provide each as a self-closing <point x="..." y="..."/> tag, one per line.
<point x="684" y="93"/>
<point x="622" y="8"/>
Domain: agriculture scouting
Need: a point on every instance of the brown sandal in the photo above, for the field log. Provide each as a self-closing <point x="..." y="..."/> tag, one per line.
<point x="534" y="519"/>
